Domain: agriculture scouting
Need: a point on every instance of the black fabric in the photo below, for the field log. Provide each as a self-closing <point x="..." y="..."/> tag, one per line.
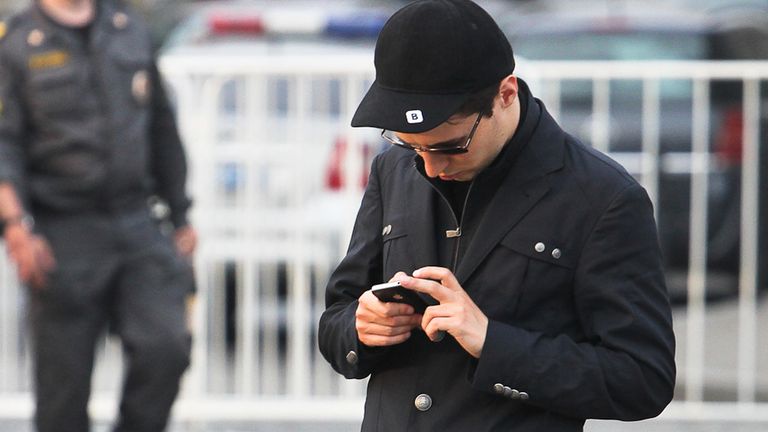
<point x="584" y="332"/>
<point x="430" y="57"/>
<point x="456" y="195"/>
<point x="456" y="192"/>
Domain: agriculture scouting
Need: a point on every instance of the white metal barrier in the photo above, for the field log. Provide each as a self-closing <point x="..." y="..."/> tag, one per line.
<point x="263" y="136"/>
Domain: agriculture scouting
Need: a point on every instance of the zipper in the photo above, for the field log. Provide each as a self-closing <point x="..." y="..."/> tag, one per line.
<point x="458" y="227"/>
<point x="455" y="233"/>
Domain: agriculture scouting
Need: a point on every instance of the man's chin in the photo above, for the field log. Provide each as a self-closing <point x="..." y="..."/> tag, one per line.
<point x="460" y="176"/>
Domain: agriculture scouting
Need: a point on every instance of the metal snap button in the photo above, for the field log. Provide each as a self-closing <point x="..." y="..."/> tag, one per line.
<point x="423" y="402"/>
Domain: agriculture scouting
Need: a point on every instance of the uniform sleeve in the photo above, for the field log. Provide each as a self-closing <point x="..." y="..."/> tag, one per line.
<point x="357" y="272"/>
<point x="169" y="164"/>
<point x="625" y="368"/>
<point x="12" y="123"/>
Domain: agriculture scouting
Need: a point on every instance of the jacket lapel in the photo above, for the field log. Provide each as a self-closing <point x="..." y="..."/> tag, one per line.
<point x="527" y="183"/>
<point x="420" y="213"/>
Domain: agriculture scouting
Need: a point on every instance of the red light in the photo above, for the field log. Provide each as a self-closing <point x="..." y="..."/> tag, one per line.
<point x="334" y="177"/>
<point x="234" y="25"/>
<point x="729" y="138"/>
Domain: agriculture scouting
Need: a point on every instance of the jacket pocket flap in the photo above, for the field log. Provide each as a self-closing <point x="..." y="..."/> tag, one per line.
<point x="553" y="251"/>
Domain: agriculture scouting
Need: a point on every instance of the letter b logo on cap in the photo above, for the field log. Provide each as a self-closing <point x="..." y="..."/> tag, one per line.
<point x="414" y="116"/>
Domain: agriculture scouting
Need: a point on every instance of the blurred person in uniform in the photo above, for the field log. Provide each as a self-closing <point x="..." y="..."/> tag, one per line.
<point x="86" y="138"/>
<point x="538" y="256"/>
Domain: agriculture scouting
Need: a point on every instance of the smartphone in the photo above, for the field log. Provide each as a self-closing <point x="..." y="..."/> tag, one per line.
<point x="394" y="292"/>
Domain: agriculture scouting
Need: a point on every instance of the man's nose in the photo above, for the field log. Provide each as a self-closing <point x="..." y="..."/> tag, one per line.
<point x="434" y="163"/>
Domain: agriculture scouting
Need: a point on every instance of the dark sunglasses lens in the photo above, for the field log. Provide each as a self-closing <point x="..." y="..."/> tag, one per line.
<point x="453" y="151"/>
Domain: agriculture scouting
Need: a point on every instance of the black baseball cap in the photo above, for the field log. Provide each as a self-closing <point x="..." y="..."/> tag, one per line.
<point x="430" y="56"/>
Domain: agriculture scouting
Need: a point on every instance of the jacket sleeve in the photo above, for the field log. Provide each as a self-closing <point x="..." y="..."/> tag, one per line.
<point x="169" y="164"/>
<point x="625" y="368"/>
<point x="357" y="272"/>
<point x="12" y="124"/>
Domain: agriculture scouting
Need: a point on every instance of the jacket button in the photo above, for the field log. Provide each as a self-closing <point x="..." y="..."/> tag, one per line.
<point x="539" y="247"/>
<point x="511" y="393"/>
<point x="423" y="402"/>
<point x="387" y="229"/>
<point x="352" y="357"/>
<point x="524" y="396"/>
<point x="498" y="388"/>
<point x="556" y="254"/>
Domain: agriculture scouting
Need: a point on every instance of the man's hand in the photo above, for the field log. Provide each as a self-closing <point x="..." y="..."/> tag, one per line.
<point x="457" y="313"/>
<point x="186" y="241"/>
<point x="384" y="324"/>
<point x="31" y="254"/>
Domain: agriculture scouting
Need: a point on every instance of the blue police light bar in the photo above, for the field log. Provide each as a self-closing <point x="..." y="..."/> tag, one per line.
<point x="356" y="25"/>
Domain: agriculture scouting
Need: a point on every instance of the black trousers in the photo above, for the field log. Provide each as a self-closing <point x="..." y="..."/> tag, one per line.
<point x="113" y="271"/>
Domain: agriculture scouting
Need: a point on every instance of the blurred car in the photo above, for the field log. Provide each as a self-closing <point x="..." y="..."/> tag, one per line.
<point x="576" y="31"/>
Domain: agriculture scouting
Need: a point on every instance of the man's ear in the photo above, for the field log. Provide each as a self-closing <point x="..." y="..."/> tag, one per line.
<point x="508" y="90"/>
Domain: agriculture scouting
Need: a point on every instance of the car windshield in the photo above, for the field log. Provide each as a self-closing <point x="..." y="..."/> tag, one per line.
<point x="610" y="46"/>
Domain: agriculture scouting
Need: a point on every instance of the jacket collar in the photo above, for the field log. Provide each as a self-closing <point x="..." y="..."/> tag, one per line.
<point x="513" y="184"/>
<point x="525" y="184"/>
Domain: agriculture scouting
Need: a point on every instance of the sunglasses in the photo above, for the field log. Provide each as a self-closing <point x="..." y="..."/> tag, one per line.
<point x="458" y="146"/>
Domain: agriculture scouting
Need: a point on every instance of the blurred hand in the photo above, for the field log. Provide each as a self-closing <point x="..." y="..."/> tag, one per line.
<point x="457" y="313"/>
<point x="31" y="254"/>
<point x="186" y="241"/>
<point x="383" y="324"/>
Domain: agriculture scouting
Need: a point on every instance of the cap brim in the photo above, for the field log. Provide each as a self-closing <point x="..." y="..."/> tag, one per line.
<point x="405" y="112"/>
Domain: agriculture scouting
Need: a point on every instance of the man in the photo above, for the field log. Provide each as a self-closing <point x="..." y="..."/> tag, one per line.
<point x="86" y="138"/>
<point x="538" y="255"/>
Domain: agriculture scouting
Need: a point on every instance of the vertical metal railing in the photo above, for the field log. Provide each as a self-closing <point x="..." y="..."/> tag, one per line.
<point x="275" y="248"/>
<point x="749" y="235"/>
<point x="697" y="250"/>
<point x="650" y="139"/>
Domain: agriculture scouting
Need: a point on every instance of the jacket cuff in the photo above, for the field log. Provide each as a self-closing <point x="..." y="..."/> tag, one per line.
<point x="500" y="354"/>
<point x="360" y="358"/>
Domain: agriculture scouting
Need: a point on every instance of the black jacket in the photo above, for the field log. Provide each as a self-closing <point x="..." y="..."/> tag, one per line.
<point x="84" y="120"/>
<point x="563" y="260"/>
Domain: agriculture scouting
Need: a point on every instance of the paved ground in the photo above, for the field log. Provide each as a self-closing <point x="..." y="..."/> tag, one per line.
<point x="647" y="426"/>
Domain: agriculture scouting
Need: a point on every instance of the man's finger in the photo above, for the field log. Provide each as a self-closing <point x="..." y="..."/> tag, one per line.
<point x="375" y="340"/>
<point x="399" y="275"/>
<point x="435" y="328"/>
<point x="375" y="329"/>
<point x="428" y="286"/>
<point x="391" y="321"/>
<point x="378" y="307"/>
<point x="442" y="274"/>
